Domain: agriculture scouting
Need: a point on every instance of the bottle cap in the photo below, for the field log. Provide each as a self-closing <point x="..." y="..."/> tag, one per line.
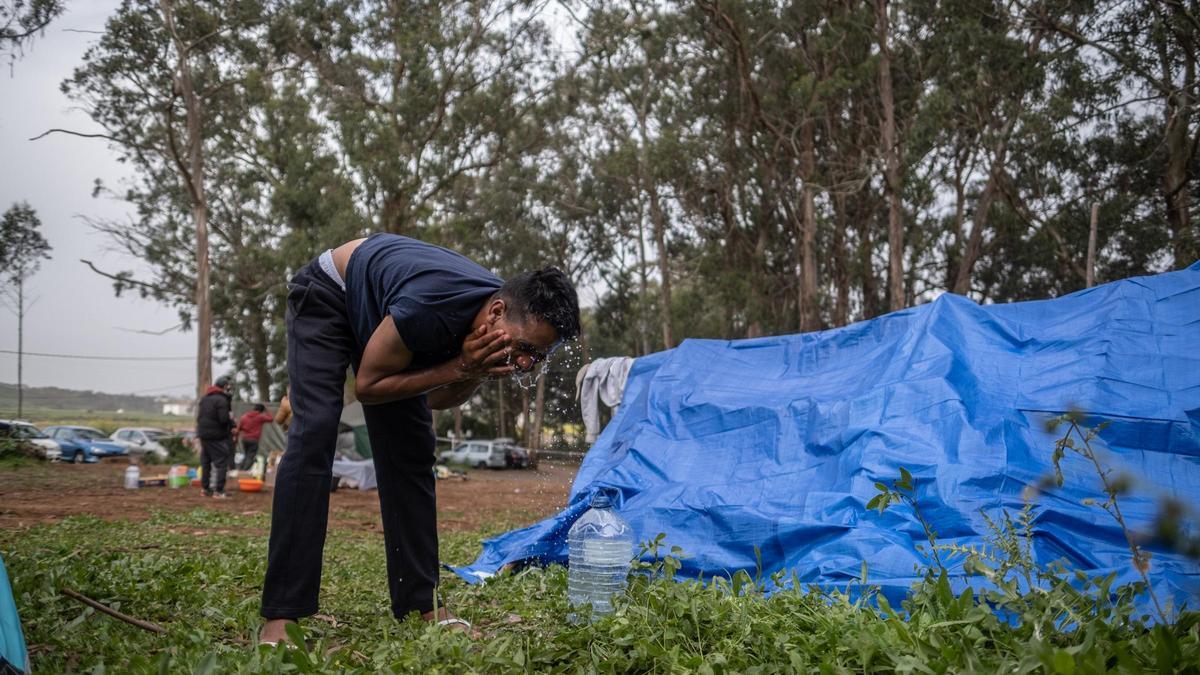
<point x="600" y="500"/>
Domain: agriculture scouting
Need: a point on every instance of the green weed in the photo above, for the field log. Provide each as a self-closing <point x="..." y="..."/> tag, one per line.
<point x="198" y="575"/>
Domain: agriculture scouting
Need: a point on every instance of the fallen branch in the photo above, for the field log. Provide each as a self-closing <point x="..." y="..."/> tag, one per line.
<point x="144" y="625"/>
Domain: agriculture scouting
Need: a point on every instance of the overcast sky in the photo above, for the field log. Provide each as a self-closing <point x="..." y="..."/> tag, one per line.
<point x="76" y="311"/>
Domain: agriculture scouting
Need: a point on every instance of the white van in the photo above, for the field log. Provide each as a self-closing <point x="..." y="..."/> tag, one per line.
<point x="479" y="454"/>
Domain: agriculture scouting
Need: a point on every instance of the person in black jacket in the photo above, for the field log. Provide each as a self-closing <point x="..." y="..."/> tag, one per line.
<point x="214" y="427"/>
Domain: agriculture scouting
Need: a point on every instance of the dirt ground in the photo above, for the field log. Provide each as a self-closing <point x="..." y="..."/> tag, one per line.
<point x="51" y="492"/>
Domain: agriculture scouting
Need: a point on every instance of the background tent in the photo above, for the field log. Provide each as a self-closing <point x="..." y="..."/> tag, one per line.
<point x="352" y="416"/>
<point x="775" y="444"/>
<point x="274" y="438"/>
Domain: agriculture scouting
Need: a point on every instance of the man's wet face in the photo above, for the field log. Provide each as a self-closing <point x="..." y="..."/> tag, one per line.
<point x="531" y="341"/>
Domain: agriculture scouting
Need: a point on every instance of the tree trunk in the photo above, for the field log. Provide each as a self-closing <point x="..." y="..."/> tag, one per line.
<point x="458" y="430"/>
<point x="394" y="213"/>
<point x="1180" y="103"/>
<point x="961" y="161"/>
<point x="539" y="409"/>
<point x="659" y="220"/>
<point x="1176" y="194"/>
<point x="973" y="249"/>
<point x="1091" y="251"/>
<point x="729" y="253"/>
<point x="841" y="275"/>
<point x="500" y="407"/>
<point x="194" y="182"/>
<point x="204" y="375"/>
<point x="644" y="290"/>
<point x="20" y="347"/>
<point x="258" y="354"/>
<point x="892" y="160"/>
<point x="527" y="419"/>
<point x="809" y="315"/>
<point x="754" y="327"/>
<point x="866" y="270"/>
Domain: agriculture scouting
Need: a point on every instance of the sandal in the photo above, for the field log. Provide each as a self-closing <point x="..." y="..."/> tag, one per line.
<point x="286" y="641"/>
<point x="288" y="644"/>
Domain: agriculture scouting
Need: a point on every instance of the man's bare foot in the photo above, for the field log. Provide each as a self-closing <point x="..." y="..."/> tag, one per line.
<point x="274" y="631"/>
<point x="450" y="622"/>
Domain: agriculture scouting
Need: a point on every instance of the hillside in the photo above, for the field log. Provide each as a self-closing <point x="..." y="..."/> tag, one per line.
<point x="55" y="398"/>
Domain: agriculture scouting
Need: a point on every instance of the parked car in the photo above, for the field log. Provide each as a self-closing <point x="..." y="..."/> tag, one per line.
<point x="141" y="440"/>
<point x="516" y="457"/>
<point x="25" y="431"/>
<point x="498" y="453"/>
<point x="85" y="441"/>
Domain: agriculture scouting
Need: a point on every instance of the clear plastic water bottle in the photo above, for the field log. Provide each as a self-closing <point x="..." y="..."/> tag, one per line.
<point x="600" y="548"/>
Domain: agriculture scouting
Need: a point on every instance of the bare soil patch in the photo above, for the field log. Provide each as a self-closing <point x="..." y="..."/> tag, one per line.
<point x="50" y="492"/>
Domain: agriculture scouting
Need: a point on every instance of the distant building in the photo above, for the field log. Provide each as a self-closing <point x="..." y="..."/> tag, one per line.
<point x="181" y="407"/>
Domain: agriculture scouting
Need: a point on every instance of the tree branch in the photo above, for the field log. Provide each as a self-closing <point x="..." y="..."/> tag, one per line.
<point x="107" y="137"/>
<point x="134" y="282"/>
<point x="144" y="625"/>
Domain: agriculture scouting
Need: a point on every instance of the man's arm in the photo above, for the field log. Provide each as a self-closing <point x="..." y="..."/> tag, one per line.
<point x="284" y="415"/>
<point x="452" y="395"/>
<point x="384" y="376"/>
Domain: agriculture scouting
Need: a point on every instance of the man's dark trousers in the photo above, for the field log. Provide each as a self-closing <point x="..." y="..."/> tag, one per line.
<point x="320" y="346"/>
<point x="214" y="462"/>
<point x="249" y="453"/>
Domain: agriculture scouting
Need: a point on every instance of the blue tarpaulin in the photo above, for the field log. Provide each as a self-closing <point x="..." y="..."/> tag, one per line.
<point x="13" y="657"/>
<point x="773" y="446"/>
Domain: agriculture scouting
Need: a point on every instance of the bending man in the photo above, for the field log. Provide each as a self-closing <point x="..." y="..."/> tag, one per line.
<point x="423" y="327"/>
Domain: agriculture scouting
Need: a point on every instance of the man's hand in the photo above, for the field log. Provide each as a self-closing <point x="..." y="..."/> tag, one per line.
<point x="485" y="354"/>
<point x="384" y="374"/>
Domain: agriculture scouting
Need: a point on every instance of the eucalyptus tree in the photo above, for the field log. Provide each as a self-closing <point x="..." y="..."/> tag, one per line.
<point x="23" y="20"/>
<point x="1147" y="51"/>
<point x="633" y="63"/>
<point x="157" y="82"/>
<point x="22" y="250"/>
<point x="280" y="196"/>
<point x="423" y="96"/>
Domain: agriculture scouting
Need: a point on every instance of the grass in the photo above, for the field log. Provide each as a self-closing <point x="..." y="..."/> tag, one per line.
<point x="198" y="574"/>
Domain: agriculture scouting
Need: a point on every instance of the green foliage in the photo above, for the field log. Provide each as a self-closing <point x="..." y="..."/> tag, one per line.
<point x="15" y="453"/>
<point x="198" y="574"/>
<point x="903" y="491"/>
<point x="178" y="452"/>
<point x="1078" y="440"/>
<point x="22" y="246"/>
<point x="22" y="20"/>
<point x="705" y="169"/>
<point x="107" y="422"/>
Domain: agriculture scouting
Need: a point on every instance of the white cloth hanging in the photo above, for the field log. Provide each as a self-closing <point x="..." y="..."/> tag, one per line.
<point x="601" y="381"/>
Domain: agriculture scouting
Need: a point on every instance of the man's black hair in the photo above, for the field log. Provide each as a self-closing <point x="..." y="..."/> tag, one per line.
<point x="258" y="407"/>
<point x="545" y="294"/>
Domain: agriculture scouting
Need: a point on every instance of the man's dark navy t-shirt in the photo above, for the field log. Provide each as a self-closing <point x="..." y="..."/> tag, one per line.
<point x="433" y="294"/>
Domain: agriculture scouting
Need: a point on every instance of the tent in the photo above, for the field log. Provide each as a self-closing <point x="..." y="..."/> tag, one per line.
<point x="274" y="438"/>
<point x="352" y="417"/>
<point x="772" y="447"/>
